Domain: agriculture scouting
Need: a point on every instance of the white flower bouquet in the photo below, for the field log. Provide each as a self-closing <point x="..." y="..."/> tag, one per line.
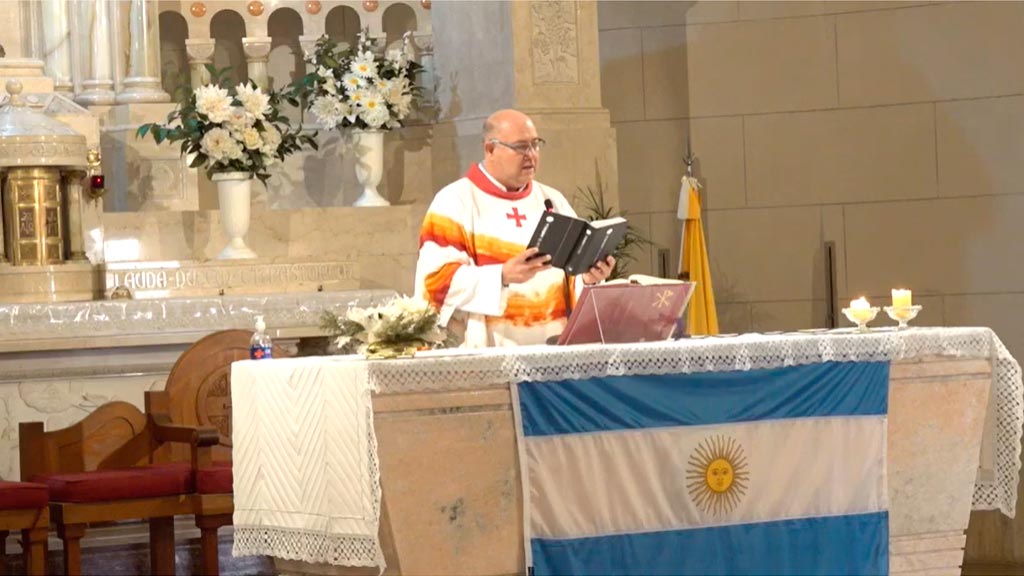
<point x="396" y="328"/>
<point x="357" y="87"/>
<point x="238" y="130"/>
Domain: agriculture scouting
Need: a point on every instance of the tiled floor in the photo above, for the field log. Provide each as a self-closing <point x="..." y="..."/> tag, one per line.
<point x="133" y="559"/>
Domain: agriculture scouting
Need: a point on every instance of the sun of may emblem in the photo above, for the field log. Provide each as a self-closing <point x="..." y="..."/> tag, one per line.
<point x="717" y="475"/>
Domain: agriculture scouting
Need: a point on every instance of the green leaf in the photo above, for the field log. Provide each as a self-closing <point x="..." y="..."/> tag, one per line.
<point x="141" y="132"/>
<point x="198" y="161"/>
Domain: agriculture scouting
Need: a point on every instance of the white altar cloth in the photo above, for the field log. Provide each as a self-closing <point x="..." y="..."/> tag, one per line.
<point x="256" y="405"/>
<point x="306" y="476"/>
<point x="499" y="367"/>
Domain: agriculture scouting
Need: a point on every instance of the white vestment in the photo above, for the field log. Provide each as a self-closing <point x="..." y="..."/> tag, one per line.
<point x="472" y="227"/>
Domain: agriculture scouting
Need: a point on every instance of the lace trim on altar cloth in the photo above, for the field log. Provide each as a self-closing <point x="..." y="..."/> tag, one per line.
<point x="317" y="546"/>
<point x="307" y="546"/>
<point x="470" y="370"/>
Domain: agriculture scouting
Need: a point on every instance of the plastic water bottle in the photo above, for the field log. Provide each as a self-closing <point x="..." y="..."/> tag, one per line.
<point x="260" y="346"/>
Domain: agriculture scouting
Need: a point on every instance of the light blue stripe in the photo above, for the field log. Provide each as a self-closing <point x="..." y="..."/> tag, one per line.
<point x="856" y="544"/>
<point x="631" y="402"/>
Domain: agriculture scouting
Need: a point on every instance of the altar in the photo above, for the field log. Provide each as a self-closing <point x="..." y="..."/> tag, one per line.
<point x="442" y="437"/>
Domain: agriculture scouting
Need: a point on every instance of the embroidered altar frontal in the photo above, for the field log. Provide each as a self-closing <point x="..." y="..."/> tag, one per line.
<point x="751" y="472"/>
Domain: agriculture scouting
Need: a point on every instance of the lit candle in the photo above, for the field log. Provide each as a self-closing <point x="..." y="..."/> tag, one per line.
<point x="900" y="298"/>
<point x="860" y="310"/>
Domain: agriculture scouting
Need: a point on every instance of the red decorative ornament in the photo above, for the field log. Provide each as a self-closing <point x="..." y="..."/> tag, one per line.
<point x="313" y="7"/>
<point x="370" y="5"/>
<point x="426" y="4"/>
<point x="97" y="181"/>
<point x="197" y="9"/>
<point x="255" y="7"/>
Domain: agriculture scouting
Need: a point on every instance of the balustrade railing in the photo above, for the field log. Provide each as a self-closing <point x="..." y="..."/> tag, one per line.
<point x="144" y="50"/>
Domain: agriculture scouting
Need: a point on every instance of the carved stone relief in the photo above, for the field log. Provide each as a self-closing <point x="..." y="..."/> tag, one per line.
<point x="555" y="41"/>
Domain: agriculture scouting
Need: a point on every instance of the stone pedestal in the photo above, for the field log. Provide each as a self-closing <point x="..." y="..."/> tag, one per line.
<point x="142" y="80"/>
<point x="98" y="85"/>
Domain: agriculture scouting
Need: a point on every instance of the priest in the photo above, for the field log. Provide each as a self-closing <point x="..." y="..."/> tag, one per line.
<point x="473" y="264"/>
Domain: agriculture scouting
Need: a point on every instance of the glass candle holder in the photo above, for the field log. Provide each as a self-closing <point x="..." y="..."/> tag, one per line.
<point x="902" y="314"/>
<point x="861" y="316"/>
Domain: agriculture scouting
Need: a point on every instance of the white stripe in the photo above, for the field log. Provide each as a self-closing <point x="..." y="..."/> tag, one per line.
<point x="636" y="480"/>
<point x="517" y="416"/>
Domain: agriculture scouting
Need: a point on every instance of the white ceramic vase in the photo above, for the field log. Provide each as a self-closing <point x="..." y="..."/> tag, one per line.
<point x="234" y="191"/>
<point x="368" y="148"/>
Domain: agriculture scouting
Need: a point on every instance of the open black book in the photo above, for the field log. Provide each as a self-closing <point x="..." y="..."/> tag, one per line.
<point x="575" y="244"/>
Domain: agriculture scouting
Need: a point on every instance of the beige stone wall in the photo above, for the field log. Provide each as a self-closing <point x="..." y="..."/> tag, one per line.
<point x="890" y="128"/>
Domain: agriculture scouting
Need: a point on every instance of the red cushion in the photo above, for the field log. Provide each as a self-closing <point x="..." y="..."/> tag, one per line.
<point x="215" y="480"/>
<point x="119" y="483"/>
<point x="23" y="495"/>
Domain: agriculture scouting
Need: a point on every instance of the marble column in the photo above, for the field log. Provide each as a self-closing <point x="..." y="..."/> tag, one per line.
<point x="424" y="44"/>
<point x="3" y="182"/>
<point x="94" y="19"/>
<point x="73" y="181"/>
<point x="200" y="53"/>
<point x="540" y="57"/>
<point x="257" y="51"/>
<point x="57" y="43"/>
<point x="308" y="44"/>
<point x="142" y="82"/>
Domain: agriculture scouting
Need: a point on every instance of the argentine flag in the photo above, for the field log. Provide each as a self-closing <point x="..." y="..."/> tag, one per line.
<point x="776" y="471"/>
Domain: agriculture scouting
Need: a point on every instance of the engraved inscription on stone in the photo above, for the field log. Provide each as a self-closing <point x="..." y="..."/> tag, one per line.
<point x="215" y="278"/>
<point x="555" y="41"/>
<point x="27" y="222"/>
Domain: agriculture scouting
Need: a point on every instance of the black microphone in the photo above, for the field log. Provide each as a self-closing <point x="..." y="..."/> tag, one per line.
<point x="566" y="290"/>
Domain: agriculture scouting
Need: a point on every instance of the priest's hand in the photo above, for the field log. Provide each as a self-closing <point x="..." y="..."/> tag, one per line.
<point x="599" y="272"/>
<point x="524" y="266"/>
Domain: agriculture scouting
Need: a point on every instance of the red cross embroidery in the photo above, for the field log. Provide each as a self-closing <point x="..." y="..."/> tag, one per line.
<point x="515" y="215"/>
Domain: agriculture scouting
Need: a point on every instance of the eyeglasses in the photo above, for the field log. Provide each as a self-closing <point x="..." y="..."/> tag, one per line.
<point x="523" y="148"/>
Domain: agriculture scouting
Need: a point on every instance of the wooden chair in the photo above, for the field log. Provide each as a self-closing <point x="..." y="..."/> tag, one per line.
<point x="106" y="468"/>
<point x="198" y="393"/>
<point x="23" y="507"/>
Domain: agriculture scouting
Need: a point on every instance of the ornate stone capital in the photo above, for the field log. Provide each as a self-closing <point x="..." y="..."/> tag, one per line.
<point x="200" y="50"/>
<point x="256" y="49"/>
<point x="308" y="44"/>
<point x="425" y="42"/>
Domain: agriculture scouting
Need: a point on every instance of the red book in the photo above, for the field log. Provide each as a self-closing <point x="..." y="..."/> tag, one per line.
<point x="616" y="313"/>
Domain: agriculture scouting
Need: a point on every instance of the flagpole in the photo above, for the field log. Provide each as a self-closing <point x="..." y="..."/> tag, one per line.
<point x="684" y="200"/>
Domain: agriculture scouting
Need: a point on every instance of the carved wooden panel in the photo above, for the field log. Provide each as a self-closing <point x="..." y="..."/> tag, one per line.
<point x="199" y="385"/>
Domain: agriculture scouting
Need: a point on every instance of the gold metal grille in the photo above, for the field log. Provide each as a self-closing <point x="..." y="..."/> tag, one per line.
<point x="33" y="216"/>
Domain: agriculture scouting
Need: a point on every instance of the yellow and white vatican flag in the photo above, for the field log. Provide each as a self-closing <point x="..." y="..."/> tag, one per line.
<point x="702" y="317"/>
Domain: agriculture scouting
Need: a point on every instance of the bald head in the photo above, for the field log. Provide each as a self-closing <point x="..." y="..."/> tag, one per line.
<point x="503" y="132"/>
<point x="504" y="121"/>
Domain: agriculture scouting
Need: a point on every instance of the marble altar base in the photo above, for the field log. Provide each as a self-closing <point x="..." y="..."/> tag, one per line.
<point x="53" y="283"/>
<point x="61" y="361"/>
<point x="451" y="486"/>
